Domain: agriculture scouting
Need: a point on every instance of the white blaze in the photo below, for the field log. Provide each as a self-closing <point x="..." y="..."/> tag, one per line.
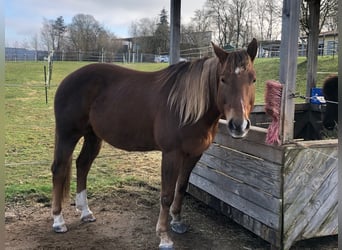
<point x="245" y="123"/>
<point x="237" y="70"/>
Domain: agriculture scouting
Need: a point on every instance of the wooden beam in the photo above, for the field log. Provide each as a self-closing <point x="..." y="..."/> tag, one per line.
<point x="288" y="66"/>
<point x="175" y="31"/>
<point x="311" y="80"/>
<point x="339" y="117"/>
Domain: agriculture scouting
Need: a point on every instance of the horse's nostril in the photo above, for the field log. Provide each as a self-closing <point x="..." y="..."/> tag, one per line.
<point x="232" y="125"/>
<point x="239" y="125"/>
<point x="248" y="124"/>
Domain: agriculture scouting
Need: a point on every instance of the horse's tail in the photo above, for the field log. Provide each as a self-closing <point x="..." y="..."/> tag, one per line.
<point x="61" y="168"/>
<point x="66" y="184"/>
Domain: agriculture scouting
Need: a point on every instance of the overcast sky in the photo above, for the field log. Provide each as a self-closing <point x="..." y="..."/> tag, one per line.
<point x="23" y="18"/>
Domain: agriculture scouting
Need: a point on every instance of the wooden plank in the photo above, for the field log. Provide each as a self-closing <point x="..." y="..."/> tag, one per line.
<point x="310" y="193"/>
<point x="306" y="167"/>
<point x="243" y="160"/>
<point x="255" y="134"/>
<point x="318" y="144"/>
<point x="303" y="113"/>
<point x="260" y="108"/>
<point x="324" y="222"/>
<point x="310" y="197"/>
<point x="310" y="217"/>
<point x="269" y="234"/>
<point x="241" y="189"/>
<point x="311" y="76"/>
<point x="253" y="144"/>
<point x="301" y="123"/>
<point x="330" y="226"/>
<point x="257" y="205"/>
<point x="288" y="66"/>
<point x="253" y="171"/>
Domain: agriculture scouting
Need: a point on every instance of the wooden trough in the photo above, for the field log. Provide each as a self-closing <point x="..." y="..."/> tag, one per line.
<point x="281" y="193"/>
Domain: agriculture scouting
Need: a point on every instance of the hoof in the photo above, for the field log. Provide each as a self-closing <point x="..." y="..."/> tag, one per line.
<point x="60" y="229"/>
<point x="166" y="247"/>
<point x="179" y="227"/>
<point x="88" y="218"/>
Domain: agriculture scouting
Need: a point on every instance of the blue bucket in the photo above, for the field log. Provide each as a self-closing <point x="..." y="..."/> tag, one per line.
<point x="317" y="96"/>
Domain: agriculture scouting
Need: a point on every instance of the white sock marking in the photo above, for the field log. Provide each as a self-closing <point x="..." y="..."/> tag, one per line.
<point x="82" y="203"/>
<point x="58" y="220"/>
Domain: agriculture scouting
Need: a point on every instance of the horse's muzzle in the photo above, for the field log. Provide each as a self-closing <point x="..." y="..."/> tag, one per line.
<point x="238" y="128"/>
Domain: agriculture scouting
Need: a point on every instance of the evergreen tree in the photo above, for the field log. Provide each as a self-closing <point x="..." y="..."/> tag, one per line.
<point x="162" y="33"/>
<point x="59" y="29"/>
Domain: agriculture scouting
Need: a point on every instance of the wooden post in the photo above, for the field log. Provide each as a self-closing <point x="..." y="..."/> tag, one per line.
<point x="175" y="31"/>
<point x="46" y="86"/>
<point x="288" y="66"/>
<point x="311" y="80"/>
<point x="339" y="26"/>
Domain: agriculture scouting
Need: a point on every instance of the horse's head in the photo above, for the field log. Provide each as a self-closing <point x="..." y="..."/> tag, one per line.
<point x="236" y="89"/>
<point x="330" y="92"/>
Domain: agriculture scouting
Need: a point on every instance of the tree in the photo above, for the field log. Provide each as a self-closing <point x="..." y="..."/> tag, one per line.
<point x="223" y="21"/>
<point x="52" y="33"/>
<point x="239" y="10"/>
<point x="273" y="10"/>
<point x="84" y="35"/>
<point x="237" y="21"/>
<point x="59" y="29"/>
<point x="142" y="32"/>
<point x="201" y="21"/>
<point x="198" y="32"/>
<point x="35" y="44"/>
<point x="47" y="34"/>
<point x="328" y="14"/>
<point x="85" y="32"/>
<point x="268" y="18"/>
<point x="162" y="33"/>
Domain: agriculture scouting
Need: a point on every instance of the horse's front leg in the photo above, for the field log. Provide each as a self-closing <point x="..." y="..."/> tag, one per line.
<point x="171" y="162"/>
<point x="177" y="224"/>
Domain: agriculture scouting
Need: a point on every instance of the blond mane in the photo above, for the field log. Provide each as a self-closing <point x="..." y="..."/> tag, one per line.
<point x="196" y="82"/>
<point x="190" y="94"/>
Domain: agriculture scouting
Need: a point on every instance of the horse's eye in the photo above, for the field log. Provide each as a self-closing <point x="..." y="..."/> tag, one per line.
<point x="223" y="80"/>
<point x="254" y="80"/>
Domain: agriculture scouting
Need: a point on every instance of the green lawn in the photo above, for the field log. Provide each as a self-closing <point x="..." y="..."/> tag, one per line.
<point x="30" y="127"/>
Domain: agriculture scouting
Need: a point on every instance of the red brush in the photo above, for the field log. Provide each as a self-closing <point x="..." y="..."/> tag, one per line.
<point x="272" y="107"/>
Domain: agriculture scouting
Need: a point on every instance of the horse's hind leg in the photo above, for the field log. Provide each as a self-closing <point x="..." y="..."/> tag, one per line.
<point x="61" y="171"/>
<point x="90" y="150"/>
<point x="177" y="225"/>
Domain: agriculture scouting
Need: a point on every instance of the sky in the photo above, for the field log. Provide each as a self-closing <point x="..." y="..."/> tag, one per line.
<point x="24" y="18"/>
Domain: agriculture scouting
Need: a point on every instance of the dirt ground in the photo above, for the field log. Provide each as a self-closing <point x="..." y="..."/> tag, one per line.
<point x="127" y="216"/>
<point x="126" y="219"/>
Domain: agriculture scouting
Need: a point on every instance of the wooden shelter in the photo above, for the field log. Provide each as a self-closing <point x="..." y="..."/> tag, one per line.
<point x="281" y="193"/>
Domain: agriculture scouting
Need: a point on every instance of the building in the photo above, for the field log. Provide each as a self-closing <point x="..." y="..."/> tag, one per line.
<point x="328" y="43"/>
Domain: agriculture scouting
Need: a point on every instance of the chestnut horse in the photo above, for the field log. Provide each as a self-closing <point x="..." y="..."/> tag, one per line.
<point x="330" y="93"/>
<point x="175" y="110"/>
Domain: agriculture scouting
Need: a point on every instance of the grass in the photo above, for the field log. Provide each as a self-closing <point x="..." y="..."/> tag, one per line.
<point x="29" y="136"/>
<point x="29" y="131"/>
<point x="268" y="68"/>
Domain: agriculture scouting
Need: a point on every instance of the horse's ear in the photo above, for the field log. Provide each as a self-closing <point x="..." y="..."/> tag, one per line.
<point x="252" y="49"/>
<point x="220" y="53"/>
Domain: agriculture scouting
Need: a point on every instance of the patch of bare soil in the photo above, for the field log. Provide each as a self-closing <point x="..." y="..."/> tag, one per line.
<point x="126" y="219"/>
<point x="127" y="216"/>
